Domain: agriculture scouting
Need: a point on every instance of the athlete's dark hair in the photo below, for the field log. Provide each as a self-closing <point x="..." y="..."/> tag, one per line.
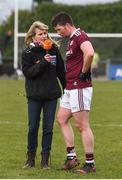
<point x="61" y="19"/>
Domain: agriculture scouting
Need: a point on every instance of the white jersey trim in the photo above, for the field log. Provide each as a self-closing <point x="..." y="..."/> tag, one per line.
<point x="77" y="30"/>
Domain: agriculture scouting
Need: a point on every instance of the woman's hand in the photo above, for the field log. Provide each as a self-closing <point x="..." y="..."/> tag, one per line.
<point x="47" y="57"/>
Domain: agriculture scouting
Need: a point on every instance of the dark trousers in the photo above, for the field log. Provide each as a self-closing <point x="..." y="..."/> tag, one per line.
<point x="34" y="112"/>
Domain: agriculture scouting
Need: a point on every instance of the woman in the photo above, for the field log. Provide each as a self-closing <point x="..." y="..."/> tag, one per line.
<point x="41" y="69"/>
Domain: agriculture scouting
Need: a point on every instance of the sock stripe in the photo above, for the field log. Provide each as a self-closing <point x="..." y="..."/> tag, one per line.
<point x="71" y="154"/>
<point x="91" y="161"/>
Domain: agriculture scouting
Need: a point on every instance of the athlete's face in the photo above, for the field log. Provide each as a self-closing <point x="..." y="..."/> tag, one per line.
<point x="62" y="30"/>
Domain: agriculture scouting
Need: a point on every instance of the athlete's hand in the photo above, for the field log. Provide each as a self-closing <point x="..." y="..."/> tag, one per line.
<point x="85" y="76"/>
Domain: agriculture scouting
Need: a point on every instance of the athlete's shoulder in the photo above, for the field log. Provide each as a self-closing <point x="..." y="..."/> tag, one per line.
<point x="81" y="36"/>
<point x="80" y="32"/>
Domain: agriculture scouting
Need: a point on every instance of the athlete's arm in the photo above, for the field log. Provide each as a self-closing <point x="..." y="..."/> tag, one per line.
<point x="88" y="53"/>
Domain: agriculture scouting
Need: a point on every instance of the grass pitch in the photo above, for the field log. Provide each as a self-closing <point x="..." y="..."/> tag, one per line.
<point x="105" y="119"/>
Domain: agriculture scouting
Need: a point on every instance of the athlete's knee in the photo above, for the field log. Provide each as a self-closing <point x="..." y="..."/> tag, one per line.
<point x="61" y="119"/>
<point x="82" y="127"/>
<point x="79" y="127"/>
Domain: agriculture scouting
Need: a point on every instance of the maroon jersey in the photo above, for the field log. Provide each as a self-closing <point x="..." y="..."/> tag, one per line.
<point x="74" y="61"/>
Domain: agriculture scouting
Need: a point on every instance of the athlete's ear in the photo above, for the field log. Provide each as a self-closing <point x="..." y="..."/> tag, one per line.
<point x="67" y="27"/>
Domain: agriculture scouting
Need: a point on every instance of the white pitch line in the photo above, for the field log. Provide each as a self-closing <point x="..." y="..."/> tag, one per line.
<point x="107" y="125"/>
<point x="11" y="122"/>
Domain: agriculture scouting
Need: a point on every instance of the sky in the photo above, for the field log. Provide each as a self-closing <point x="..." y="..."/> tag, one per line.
<point x="84" y="2"/>
<point x="7" y="6"/>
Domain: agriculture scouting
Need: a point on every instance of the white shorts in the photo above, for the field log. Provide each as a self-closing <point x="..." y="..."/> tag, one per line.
<point x="77" y="99"/>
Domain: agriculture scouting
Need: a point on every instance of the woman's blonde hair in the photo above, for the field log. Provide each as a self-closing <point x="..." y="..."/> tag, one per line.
<point x="31" y="32"/>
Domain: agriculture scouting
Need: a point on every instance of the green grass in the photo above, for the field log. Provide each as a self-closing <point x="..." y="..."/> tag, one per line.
<point x="105" y="119"/>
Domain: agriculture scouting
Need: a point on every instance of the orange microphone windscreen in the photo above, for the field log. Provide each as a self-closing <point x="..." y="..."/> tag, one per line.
<point x="47" y="44"/>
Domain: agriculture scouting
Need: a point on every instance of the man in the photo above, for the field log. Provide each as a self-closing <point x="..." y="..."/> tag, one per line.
<point x="78" y="93"/>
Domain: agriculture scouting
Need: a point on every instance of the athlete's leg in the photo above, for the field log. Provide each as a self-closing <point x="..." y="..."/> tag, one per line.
<point x="82" y="123"/>
<point x="63" y="117"/>
<point x="81" y="116"/>
<point x="80" y="107"/>
<point x="63" y="120"/>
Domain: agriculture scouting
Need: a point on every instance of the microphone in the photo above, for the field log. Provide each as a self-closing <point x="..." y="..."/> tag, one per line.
<point x="47" y="45"/>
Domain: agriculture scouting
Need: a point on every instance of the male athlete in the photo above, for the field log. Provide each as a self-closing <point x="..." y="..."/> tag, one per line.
<point x="77" y="96"/>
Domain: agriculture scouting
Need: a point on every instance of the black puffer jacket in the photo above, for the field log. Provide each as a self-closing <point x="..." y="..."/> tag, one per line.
<point x="41" y="81"/>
